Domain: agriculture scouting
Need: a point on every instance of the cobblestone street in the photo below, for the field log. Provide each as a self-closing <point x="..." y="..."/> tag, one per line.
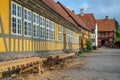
<point x="103" y="64"/>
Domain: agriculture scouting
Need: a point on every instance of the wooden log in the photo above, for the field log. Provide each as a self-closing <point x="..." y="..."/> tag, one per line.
<point x="40" y="69"/>
<point x="16" y="64"/>
<point x="58" y="59"/>
<point x="66" y="55"/>
<point x="27" y="69"/>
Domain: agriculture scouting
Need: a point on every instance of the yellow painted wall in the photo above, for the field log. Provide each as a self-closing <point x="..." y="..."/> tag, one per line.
<point x="16" y="45"/>
<point x="32" y="44"/>
<point x="75" y="46"/>
<point x="12" y="45"/>
<point x="2" y="46"/>
<point x="4" y="20"/>
<point x="20" y="45"/>
<point x="4" y="15"/>
<point x="84" y="43"/>
<point x="56" y="32"/>
<point x="72" y="45"/>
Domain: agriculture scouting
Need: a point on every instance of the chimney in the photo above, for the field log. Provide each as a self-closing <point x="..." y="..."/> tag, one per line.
<point x="73" y="11"/>
<point x="82" y="12"/>
<point x="106" y="17"/>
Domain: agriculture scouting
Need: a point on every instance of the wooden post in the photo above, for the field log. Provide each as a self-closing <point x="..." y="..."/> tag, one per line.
<point x="0" y="75"/>
<point x="72" y="58"/>
<point x="39" y="68"/>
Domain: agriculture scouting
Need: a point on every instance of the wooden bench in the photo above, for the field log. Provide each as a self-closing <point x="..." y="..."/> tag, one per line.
<point x="54" y="60"/>
<point x="20" y="64"/>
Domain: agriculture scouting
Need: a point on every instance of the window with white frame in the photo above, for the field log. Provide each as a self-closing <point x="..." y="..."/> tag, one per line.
<point x="69" y="36"/>
<point x="76" y="39"/>
<point x="60" y="31"/>
<point x="35" y="25"/>
<point x="47" y="29"/>
<point x="42" y="27"/>
<point x="27" y="22"/>
<point x="16" y="19"/>
<point x="52" y="32"/>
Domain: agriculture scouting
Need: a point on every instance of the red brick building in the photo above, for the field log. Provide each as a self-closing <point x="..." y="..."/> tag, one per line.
<point x="106" y="31"/>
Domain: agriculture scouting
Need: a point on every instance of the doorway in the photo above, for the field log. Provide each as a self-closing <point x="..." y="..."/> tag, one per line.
<point x="102" y="42"/>
<point x="64" y="41"/>
<point x="81" y="43"/>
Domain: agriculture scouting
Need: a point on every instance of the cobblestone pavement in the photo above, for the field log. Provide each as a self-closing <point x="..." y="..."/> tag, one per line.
<point x="103" y="64"/>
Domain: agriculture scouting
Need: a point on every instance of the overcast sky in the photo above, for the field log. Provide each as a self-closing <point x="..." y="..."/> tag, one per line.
<point x="100" y="8"/>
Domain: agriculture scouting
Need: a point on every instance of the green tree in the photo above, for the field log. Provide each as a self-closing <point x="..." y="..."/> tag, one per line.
<point x="117" y="24"/>
<point x="117" y="35"/>
<point x="89" y="45"/>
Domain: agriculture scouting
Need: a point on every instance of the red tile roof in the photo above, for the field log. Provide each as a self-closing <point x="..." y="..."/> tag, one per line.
<point x="61" y="11"/>
<point x="57" y="8"/>
<point x="106" y="25"/>
<point x="89" y="20"/>
<point x="77" y="20"/>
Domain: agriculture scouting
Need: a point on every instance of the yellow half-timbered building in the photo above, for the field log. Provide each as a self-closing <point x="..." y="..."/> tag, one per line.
<point x="39" y="26"/>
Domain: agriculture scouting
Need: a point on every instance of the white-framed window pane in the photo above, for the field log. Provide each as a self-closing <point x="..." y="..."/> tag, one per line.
<point x="47" y="29"/>
<point x="19" y="26"/>
<point x="42" y="27"/>
<point x="16" y="18"/>
<point x="19" y="11"/>
<point x="37" y="32"/>
<point x="27" y="22"/>
<point x="37" y="19"/>
<point x="43" y="32"/>
<point x="40" y="32"/>
<point x="29" y="29"/>
<point x="25" y="14"/>
<point x="29" y="15"/>
<point x="60" y="33"/>
<point x="41" y="21"/>
<point x="34" y="30"/>
<point x="35" y="25"/>
<point x="25" y="28"/>
<point x="52" y="30"/>
<point x="13" y="9"/>
<point x="69" y="36"/>
<point x="13" y="25"/>
<point x="47" y="35"/>
<point x="34" y="18"/>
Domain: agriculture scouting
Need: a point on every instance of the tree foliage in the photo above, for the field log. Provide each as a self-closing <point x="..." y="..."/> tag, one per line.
<point x="117" y="35"/>
<point x="117" y="24"/>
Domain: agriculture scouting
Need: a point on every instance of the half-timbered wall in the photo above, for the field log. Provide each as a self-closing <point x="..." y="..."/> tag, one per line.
<point x="23" y="30"/>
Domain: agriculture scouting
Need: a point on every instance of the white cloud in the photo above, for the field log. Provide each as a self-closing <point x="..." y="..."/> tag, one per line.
<point x="68" y="7"/>
<point x="100" y="8"/>
<point x="85" y="6"/>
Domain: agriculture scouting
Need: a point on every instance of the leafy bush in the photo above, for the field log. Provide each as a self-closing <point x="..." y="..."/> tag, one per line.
<point x="117" y="35"/>
<point x="79" y="53"/>
<point x="89" y="45"/>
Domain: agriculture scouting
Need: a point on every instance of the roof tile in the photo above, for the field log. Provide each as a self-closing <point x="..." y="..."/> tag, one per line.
<point x="106" y="25"/>
<point x="76" y="18"/>
<point x="57" y="8"/>
<point x="89" y="20"/>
